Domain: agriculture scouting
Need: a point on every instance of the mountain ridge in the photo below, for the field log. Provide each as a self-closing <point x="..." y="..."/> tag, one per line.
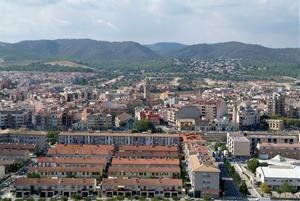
<point x="95" y="52"/>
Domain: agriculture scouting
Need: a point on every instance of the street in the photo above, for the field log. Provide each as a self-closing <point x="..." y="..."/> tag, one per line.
<point x="230" y="189"/>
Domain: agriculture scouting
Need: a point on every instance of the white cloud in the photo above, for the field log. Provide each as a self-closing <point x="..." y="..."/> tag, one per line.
<point x="270" y="22"/>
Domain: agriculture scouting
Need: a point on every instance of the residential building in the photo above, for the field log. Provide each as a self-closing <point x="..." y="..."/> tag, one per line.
<point x="49" y="187"/>
<point x="238" y="145"/>
<point x="124" y="120"/>
<point x="276" y="104"/>
<point x="25" y="136"/>
<point x="129" y="151"/>
<point x="117" y="139"/>
<point x="142" y="187"/>
<point x="275" y="124"/>
<point x="81" y="151"/>
<point x="270" y="150"/>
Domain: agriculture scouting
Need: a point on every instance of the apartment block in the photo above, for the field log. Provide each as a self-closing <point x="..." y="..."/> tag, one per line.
<point x="203" y="172"/>
<point x="238" y="145"/>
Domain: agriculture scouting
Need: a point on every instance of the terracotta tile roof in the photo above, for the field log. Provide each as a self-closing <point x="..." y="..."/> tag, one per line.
<point x="84" y="146"/>
<point x="141" y="182"/>
<point x="100" y="161"/>
<point x="279" y="145"/>
<point x="148" y="148"/>
<point x="142" y="161"/>
<point x="66" y="169"/>
<point x="18" y="146"/>
<point x="61" y="149"/>
<point x="144" y="154"/>
<point x="54" y="181"/>
<point x="143" y="169"/>
<point x="197" y="166"/>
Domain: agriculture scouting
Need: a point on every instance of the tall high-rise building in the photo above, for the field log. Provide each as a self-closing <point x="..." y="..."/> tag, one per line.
<point x="276" y="104"/>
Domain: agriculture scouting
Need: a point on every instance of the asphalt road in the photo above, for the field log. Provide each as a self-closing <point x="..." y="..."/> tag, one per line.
<point x="231" y="189"/>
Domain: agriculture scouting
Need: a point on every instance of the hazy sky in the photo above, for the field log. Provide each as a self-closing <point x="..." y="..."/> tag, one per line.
<point x="274" y="23"/>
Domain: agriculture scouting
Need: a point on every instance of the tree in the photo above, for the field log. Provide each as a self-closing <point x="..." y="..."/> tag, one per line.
<point x="253" y="164"/>
<point x="143" y="125"/>
<point x="207" y="197"/>
<point x="265" y="188"/>
<point x="243" y="188"/>
<point x="176" y="198"/>
<point x="76" y="197"/>
<point x="285" y="188"/>
<point x="33" y="175"/>
<point x="52" y="137"/>
<point x="64" y="198"/>
<point x="70" y="175"/>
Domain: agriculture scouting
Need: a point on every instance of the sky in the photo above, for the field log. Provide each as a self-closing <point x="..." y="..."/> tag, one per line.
<point x="272" y="23"/>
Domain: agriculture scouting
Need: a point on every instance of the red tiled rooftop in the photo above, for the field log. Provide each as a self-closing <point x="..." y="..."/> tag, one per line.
<point x="148" y="148"/>
<point x="54" y="181"/>
<point x="66" y="169"/>
<point x="142" y="182"/>
<point x="141" y="161"/>
<point x="100" y="161"/>
<point x="143" y="169"/>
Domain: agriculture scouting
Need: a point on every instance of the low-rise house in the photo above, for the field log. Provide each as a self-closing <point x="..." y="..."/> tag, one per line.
<point x="128" y="151"/>
<point x="124" y="121"/>
<point x="270" y="150"/>
<point x="49" y="187"/>
<point x="140" y="162"/>
<point x="25" y="136"/>
<point x="142" y="187"/>
<point x="117" y="139"/>
<point x="14" y="154"/>
<point x="62" y="172"/>
<point x="275" y="124"/>
<point x="144" y="172"/>
<point x="82" y="151"/>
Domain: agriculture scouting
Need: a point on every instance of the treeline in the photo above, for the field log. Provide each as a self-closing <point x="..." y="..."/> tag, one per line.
<point x="46" y="68"/>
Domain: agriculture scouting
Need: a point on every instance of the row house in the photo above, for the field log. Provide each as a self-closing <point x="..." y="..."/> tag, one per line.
<point x="270" y="150"/>
<point x="50" y="187"/>
<point x="127" y="151"/>
<point x="117" y="139"/>
<point x="63" y="172"/>
<point x="140" y="162"/>
<point x="82" y="151"/>
<point x="144" y="172"/>
<point x="71" y="162"/>
<point x="25" y="136"/>
<point x="142" y="187"/>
